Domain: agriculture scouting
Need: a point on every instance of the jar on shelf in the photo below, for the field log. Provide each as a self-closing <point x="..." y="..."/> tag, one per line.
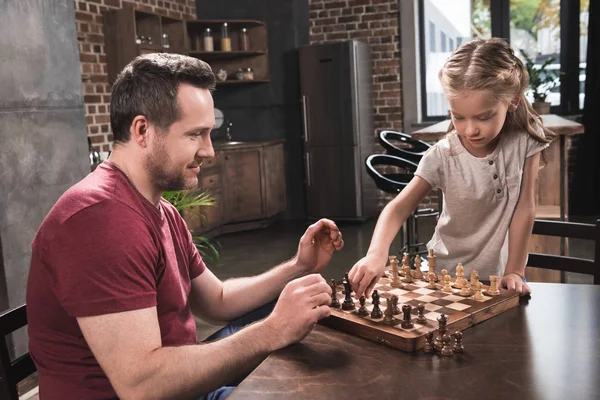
<point x="244" y="40"/>
<point x="165" y="41"/>
<point x="240" y="74"/>
<point x="208" y="40"/>
<point x="249" y="74"/>
<point x="225" y="39"/>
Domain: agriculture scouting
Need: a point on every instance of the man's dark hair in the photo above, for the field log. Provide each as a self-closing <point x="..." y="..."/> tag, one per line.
<point x="148" y="86"/>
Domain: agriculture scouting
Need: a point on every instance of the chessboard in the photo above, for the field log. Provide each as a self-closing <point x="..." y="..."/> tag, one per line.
<point x="461" y="312"/>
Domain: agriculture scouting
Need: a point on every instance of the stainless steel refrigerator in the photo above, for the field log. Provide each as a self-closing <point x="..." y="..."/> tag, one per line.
<point x="336" y="83"/>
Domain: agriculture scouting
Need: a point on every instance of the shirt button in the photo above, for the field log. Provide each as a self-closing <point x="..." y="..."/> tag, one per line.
<point x="498" y="190"/>
<point x="495" y="176"/>
<point x="491" y="162"/>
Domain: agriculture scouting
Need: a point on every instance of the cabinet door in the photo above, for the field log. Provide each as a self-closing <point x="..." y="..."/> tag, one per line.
<point x="213" y="215"/>
<point x="242" y="187"/>
<point x="274" y="176"/>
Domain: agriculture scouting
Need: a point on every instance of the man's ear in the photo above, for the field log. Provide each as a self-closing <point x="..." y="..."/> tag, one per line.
<point x="139" y="130"/>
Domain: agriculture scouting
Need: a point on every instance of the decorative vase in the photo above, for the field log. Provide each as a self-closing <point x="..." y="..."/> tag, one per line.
<point x="541" y="107"/>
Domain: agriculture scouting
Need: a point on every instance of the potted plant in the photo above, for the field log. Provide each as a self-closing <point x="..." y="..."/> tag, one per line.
<point x="189" y="201"/>
<point x="541" y="81"/>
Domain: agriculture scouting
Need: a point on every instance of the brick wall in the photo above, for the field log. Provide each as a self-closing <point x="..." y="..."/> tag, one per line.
<point x="90" y="37"/>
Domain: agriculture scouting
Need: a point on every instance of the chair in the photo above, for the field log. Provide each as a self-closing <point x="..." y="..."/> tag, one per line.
<point x="394" y="183"/>
<point x="564" y="263"/>
<point x="13" y="371"/>
<point x="412" y="150"/>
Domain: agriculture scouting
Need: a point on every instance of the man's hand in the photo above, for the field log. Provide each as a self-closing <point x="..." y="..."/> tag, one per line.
<point x="365" y="274"/>
<point x="317" y="245"/>
<point x="302" y="303"/>
<point x="513" y="281"/>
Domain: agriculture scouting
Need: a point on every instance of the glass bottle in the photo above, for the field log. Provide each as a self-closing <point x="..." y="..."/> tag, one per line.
<point x="244" y="41"/>
<point x="208" y="40"/>
<point x="225" y="39"/>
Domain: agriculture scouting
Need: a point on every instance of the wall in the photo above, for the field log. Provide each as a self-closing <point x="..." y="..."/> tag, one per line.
<point x="43" y="149"/>
<point x="270" y="110"/>
<point x="90" y="38"/>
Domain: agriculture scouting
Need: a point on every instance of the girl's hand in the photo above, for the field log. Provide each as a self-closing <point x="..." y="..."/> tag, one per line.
<point x="513" y="281"/>
<point x="365" y="274"/>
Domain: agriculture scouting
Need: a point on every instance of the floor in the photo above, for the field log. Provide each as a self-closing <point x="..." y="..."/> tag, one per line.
<point x="253" y="252"/>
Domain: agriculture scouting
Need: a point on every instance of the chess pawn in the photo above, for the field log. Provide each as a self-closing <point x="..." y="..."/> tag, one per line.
<point x="428" y="348"/>
<point x="465" y="291"/>
<point x="407" y="274"/>
<point x="406" y="319"/>
<point x="418" y="272"/>
<point x="458" y="346"/>
<point x="395" y="305"/>
<point x="447" y="287"/>
<point x="431" y="277"/>
<point x="421" y="314"/>
<point x="376" y="313"/>
<point x="362" y="310"/>
<point x="431" y="261"/>
<point x="405" y="263"/>
<point x="388" y="319"/>
<point x="444" y="272"/>
<point x="493" y="289"/>
<point x="478" y="294"/>
<point x="446" y="349"/>
<point x="335" y="303"/>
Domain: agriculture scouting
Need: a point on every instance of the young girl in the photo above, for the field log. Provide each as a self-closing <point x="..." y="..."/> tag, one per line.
<point x="486" y="167"/>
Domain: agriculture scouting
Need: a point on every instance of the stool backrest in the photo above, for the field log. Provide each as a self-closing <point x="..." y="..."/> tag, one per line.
<point x="390" y="182"/>
<point x="564" y="263"/>
<point x="13" y="371"/>
<point x="411" y="149"/>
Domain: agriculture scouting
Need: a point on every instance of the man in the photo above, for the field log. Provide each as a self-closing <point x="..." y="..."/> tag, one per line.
<point x="115" y="276"/>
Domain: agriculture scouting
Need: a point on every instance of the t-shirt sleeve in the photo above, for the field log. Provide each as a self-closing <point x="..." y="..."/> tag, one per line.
<point x="533" y="146"/>
<point x="197" y="265"/>
<point x="104" y="260"/>
<point x="431" y="168"/>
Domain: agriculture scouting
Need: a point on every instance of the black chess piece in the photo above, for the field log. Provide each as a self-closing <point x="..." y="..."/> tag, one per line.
<point x="362" y="310"/>
<point x="376" y="313"/>
<point x="442" y="328"/>
<point x="348" y="303"/>
<point x="421" y="314"/>
<point x="428" y="343"/>
<point x="446" y="349"/>
<point x="395" y="304"/>
<point x="406" y="319"/>
<point x="335" y="303"/>
<point x="458" y="346"/>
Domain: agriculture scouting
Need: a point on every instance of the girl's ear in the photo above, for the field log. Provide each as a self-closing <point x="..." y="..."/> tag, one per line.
<point x="512" y="107"/>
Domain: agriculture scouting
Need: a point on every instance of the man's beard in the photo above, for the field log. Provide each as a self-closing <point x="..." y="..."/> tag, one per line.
<point x="162" y="176"/>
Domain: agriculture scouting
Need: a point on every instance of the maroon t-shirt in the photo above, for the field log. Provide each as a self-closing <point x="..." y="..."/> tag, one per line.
<point x="102" y="249"/>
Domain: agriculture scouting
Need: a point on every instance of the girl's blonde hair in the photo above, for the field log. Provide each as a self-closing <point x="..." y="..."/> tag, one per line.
<point x="491" y="65"/>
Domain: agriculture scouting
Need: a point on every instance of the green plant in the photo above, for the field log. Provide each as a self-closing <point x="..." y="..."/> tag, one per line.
<point x="541" y="80"/>
<point x="190" y="200"/>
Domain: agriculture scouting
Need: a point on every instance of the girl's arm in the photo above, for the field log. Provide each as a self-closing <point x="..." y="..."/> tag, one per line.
<point x="520" y="229"/>
<point x="364" y="273"/>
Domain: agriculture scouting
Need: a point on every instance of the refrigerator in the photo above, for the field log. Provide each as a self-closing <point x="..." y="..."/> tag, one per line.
<point x="336" y="85"/>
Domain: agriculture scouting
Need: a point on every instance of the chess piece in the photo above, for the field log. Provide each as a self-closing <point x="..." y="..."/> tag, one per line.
<point x="376" y="313"/>
<point x="446" y="349"/>
<point x="474" y="279"/>
<point x="405" y="263"/>
<point x="431" y="277"/>
<point x="421" y="314"/>
<point x="335" y="303"/>
<point x="395" y="305"/>
<point x="447" y="287"/>
<point x="388" y="319"/>
<point x="406" y="320"/>
<point x="431" y="262"/>
<point x="418" y="272"/>
<point x="444" y="272"/>
<point x="458" y="346"/>
<point x="478" y="294"/>
<point x="348" y="303"/>
<point x="428" y="348"/>
<point x="407" y="274"/>
<point x="362" y="310"/>
<point x="465" y="291"/>
<point x="458" y="283"/>
<point x="396" y="283"/>
<point x="442" y="328"/>
<point x="493" y="289"/>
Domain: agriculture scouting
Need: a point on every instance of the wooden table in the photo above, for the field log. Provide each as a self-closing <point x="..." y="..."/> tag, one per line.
<point x="551" y="190"/>
<point x="547" y="348"/>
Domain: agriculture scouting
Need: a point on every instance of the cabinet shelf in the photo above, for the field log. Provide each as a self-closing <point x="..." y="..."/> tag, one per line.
<point x="224" y="55"/>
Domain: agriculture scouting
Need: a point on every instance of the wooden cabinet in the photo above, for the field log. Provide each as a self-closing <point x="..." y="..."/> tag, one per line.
<point x="123" y="27"/>
<point x="247" y="181"/>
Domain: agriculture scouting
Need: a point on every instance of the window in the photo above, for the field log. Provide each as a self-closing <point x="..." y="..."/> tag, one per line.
<point x="451" y="44"/>
<point x="443" y="41"/>
<point x="431" y="36"/>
